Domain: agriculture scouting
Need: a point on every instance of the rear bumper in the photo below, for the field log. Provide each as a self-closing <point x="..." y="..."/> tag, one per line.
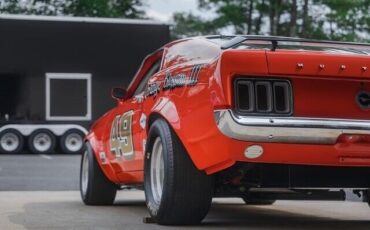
<point x="287" y="129"/>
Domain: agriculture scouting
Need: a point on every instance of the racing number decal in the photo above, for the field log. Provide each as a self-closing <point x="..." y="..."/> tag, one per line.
<point x="121" y="136"/>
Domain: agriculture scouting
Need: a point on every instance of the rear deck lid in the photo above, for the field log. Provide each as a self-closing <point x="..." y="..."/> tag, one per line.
<point x="319" y="63"/>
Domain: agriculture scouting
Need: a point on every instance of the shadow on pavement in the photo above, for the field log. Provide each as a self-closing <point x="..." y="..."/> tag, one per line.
<point x="129" y="214"/>
<point x="253" y="217"/>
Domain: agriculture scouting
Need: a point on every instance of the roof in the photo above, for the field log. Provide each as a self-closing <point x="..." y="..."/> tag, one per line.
<point x="80" y="19"/>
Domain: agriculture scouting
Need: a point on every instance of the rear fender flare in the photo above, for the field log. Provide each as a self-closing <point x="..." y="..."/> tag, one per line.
<point x="198" y="136"/>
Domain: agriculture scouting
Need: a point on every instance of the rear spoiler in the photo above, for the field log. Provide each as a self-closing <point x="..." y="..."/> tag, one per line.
<point x="236" y="40"/>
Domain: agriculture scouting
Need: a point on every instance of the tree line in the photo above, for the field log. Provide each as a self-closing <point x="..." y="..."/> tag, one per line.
<point x="81" y="8"/>
<point x="320" y="19"/>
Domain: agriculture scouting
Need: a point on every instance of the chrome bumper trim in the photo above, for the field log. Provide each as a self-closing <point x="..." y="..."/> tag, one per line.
<point x="287" y="129"/>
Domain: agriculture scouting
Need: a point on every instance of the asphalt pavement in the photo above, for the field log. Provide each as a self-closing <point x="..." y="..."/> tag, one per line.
<point x="32" y="172"/>
<point x="41" y="192"/>
<point x="64" y="210"/>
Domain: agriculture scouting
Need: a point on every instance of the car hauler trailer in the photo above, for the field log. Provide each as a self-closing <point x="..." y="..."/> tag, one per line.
<point x="56" y="74"/>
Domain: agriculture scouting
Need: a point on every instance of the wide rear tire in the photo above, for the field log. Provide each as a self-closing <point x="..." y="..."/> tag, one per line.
<point x="176" y="191"/>
<point x="95" y="188"/>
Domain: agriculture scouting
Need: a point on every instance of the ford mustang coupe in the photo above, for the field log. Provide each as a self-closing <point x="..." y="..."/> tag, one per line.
<point x="260" y="118"/>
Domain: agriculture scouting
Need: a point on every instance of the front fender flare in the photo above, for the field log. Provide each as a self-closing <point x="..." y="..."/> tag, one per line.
<point x="97" y="147"/>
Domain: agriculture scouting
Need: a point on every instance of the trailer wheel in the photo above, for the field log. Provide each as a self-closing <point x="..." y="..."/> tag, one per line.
<point x="72" y="141"/>
<point x="95" y="188"/>
<point x="11" y="141"/>
<point x="41" y="141"/>
<point x="176" y="191"/>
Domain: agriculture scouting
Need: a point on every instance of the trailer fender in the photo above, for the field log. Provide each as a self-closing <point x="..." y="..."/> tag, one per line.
<point x="57" y="130"/>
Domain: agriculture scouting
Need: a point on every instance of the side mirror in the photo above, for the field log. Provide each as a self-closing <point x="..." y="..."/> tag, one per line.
<point x="119" y="93"/>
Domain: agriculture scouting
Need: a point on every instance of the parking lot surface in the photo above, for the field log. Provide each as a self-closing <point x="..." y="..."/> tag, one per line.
<point x="32" y="172"/>
<point x="40" y="192"/>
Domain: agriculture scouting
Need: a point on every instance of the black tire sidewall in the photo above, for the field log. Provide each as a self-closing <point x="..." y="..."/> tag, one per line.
<point x="158" y="129"/>
<point x="32" y="136"/>
<point x="100" y="191"/>
<point x="90" y="158"/>
<point x="187" y="192"/>
<point x="63" y="140"/>
<point x="20" y="138"/>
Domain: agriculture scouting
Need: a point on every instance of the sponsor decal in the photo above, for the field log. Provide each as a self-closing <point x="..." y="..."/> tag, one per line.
<point x="103" y="157"/>
<point x="121" y="136"/>
<point x="153" y="89"/>
<point x="174" y="81"/>
<point x="171" y="82"/>
<point x="143" y="121"/>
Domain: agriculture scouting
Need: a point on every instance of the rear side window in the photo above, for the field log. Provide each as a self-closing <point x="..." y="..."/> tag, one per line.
<point x="190" y="50"/>
<point x="153" y="70"/>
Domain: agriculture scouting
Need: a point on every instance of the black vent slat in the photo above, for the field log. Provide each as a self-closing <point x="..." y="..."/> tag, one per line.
<point x="263" y="97"/>
<point x="246" y="95"/>
<point x="281" y="96"/>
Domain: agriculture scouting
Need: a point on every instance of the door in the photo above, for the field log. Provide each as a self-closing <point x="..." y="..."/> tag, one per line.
<point x="126" y="140"/>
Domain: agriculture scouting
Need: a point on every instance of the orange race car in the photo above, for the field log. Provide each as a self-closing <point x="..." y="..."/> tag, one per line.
<point x="260" y="118"/>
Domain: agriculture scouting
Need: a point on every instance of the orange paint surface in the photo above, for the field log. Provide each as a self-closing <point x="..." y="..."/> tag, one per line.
<point x="318" y="92"/>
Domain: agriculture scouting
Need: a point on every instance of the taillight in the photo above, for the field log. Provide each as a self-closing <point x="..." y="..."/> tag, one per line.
<point x="261" y="97"/>
<point x="353" y="138"/>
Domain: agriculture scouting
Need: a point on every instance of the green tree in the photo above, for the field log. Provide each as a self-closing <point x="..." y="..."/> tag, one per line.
<point x="234" y="13"/>
<point x="348" y="19"/>
<point x="91" y="8"/>
<point x="191" y="25"/>
<point x="321" y="19"/>
<point x="106" y="8"/>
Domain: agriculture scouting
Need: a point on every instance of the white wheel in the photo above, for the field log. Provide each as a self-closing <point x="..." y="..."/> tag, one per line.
<point x="41" y="141"/>
<point x="84" y="173"/>
<point x="72" y="141"/>
<point x="11" y="141"/>
<point x="157" y="170"/>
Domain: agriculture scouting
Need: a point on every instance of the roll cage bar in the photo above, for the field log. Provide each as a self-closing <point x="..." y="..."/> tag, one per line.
<point x="238" y="39"/>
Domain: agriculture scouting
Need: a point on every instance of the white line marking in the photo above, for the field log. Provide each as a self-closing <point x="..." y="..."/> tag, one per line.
<point x="45" y="156"/>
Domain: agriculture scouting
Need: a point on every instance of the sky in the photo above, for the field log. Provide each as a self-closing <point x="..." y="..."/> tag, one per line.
<point x="162" y="10"/>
